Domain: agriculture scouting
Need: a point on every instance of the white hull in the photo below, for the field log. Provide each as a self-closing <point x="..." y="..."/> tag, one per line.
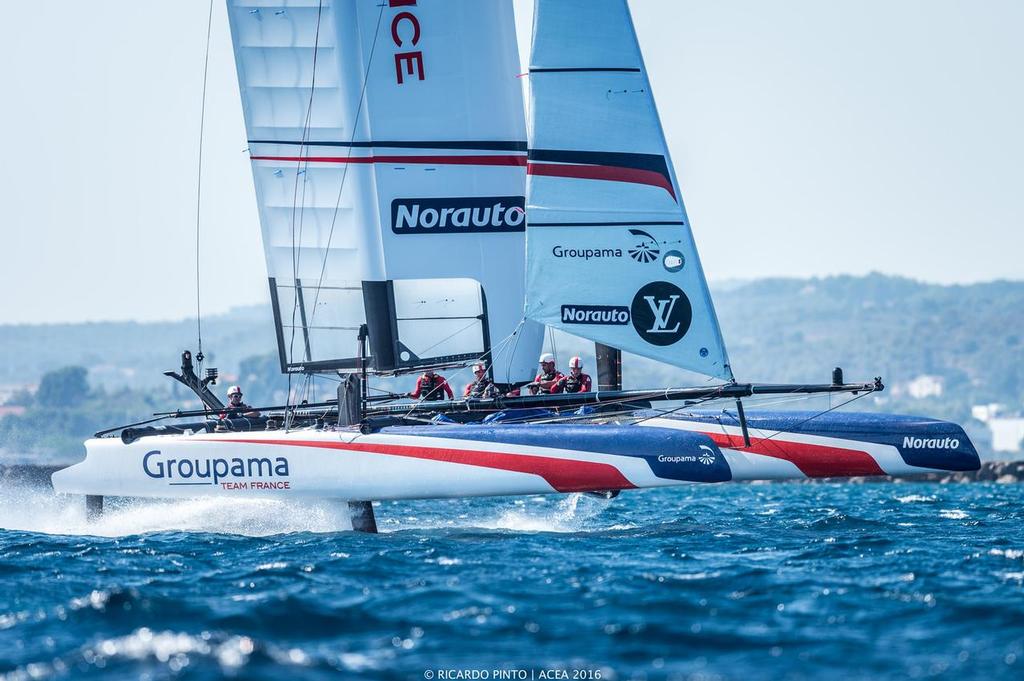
<point x="480" y="460"/>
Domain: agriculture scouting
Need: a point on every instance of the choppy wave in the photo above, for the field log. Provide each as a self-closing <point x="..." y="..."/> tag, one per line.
<point x="722" y="581"/>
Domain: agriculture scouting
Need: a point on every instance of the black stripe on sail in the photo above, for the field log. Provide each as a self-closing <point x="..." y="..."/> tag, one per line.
<point x="605" y="224"/>
<point x="612" y="69"/>
<point x="472" y="145"/>
<point x="618" y="159"/>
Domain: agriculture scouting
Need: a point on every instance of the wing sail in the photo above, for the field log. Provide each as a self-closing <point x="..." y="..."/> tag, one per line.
<point x="610" y="253"/>
<point x="388" y="148"/>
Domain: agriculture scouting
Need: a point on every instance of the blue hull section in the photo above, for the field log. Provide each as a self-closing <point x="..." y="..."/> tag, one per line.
<point x="921" y="442"/>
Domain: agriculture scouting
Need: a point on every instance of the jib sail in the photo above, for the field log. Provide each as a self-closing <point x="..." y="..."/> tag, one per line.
<point x="610" y="253"/>
<point x="388" y="148"/>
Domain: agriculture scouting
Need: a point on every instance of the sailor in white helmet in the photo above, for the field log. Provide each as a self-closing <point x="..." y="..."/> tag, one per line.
<point x="236" y="407"/>
<point x="482" y="386"/>
<point x="548" y="377"/>
<point x="576" y="381"/>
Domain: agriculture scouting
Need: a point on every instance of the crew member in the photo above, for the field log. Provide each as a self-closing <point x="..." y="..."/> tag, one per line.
<point x="576" y="381"/>
<point x="547" y="378"/>
<point x="236" y="407"/>
<point x="431" y="386"/>
<point x="482" y="387"/>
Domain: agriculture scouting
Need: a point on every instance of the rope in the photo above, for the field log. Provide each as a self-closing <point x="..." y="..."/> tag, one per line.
<point x="344" y="172"/>
<point x="199" y="184"/>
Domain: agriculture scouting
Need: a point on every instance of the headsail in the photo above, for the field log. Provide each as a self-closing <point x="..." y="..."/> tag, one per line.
<point x="610" y="255"/>
<point x="388" y="148"/>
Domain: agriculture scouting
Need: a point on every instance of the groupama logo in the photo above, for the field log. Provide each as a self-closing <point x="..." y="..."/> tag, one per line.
<point x="211" y="470"/>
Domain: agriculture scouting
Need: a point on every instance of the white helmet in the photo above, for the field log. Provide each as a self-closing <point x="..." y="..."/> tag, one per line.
<point x="234" y="390"/>
<point x="575" y="363"/>
<point x="547" y="357"/>
<point x="479" y="366"/>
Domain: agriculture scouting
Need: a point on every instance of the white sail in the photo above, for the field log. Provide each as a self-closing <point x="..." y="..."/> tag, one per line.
<point x="388" y="148"/>
<point x="610" y="255"/>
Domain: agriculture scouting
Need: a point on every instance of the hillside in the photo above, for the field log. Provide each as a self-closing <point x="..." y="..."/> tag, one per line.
<point x="775" y="329"/>
<point x="968" y="338"/>
<point x="129" y="353"/>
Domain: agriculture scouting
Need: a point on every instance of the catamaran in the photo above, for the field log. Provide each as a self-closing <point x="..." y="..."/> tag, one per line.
<point x="410" y="222"/>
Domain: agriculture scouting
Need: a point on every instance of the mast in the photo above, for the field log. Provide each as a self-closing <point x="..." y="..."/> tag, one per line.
<point x="609" y="367"/>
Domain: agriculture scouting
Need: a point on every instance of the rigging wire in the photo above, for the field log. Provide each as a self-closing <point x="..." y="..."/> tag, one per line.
<point x="296" y="252"/>
<point x="515" y="347"/>
<point x="554" y="348"/>
<point x="493" y="352"/>
<point x="199" y="185"/>
<point x="823" y="412"/>
<point x="301" y="167"/>
<point x="344" y="172"/>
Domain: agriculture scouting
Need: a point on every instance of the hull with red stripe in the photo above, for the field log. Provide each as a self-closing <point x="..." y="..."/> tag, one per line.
<point x="789" y="444"/>
<point x="504" y="459"/>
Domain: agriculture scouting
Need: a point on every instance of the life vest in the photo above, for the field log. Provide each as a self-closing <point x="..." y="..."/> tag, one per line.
<point x="430" y="387"/>
<point x="576" y="384"/>
<point x="549" y="376"/>
<point x="235" y="411"/>
<point x="482" y="388"/>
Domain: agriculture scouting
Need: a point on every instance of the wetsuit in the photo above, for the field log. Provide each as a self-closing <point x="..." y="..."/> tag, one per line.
<point x="432" y="388"/>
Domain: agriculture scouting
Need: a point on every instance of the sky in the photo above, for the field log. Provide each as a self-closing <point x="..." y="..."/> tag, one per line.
<point x="809" y="138"/>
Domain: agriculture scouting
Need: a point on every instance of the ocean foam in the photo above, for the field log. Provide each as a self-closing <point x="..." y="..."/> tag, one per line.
<point x="35" y="510"/>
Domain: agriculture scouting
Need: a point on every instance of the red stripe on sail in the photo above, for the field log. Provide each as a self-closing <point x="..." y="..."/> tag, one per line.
<point x="610" y="173"/>
<point x="429" y="160"/>
<point x="814" y="461"/>
<point x="564" y="475"/>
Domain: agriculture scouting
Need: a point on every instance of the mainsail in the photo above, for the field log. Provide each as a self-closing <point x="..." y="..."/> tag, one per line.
<point x="388" y="147"/>
<point x="610" y="255"/>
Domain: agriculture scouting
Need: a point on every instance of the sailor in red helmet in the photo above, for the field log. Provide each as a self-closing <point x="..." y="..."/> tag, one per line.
<point x="482" y="386"/>
<point x="548" y="377"/>
<point x="431" y="386"/>
<point x="576" y="381"/>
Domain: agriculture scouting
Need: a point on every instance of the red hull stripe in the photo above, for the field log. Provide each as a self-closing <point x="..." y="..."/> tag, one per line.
<point x="611" y="173"/>
<point x="564" y="475"/>
<point x="814" y="461"/>
<point x="502" y="160"/>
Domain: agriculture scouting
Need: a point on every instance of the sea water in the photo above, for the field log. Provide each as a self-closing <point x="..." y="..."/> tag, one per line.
<point x="819" y="581"/>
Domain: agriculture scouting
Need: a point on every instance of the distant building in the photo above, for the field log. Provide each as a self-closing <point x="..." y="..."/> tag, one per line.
<point x="925" y="386"/>
<point x="1007" y="431"/>
<point x="9" y="391"/>
<point x="986" y="412"/>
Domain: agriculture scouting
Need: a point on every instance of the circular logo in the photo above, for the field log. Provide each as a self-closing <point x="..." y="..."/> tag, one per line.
<point x="673" y="261"/>
<point x="661" y="313"/>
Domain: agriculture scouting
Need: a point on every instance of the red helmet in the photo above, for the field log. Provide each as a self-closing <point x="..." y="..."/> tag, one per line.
<point x="575" y="363"/>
